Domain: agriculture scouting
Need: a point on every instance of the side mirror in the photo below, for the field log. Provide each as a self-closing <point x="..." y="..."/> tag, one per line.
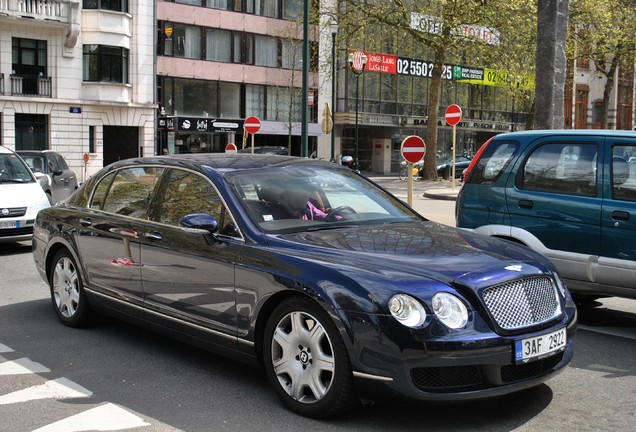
<point x="58" y="172"/>
<point x="200" y="221"/>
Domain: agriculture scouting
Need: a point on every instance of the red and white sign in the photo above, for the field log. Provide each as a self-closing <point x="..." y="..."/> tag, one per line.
<point x="413" y="148"/>
<point x="252" y="125"/>
<point x="453" y="114"/>
<point x="357" y="60"/>
<point x="381" y="63"/>
<point x="231" y="148"/>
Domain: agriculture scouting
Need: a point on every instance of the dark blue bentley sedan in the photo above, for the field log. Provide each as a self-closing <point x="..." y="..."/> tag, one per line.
<point x="333" y="285"/>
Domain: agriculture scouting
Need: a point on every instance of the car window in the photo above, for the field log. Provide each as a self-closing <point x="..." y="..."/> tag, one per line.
<point x="623" y="172"/>
<point x="60" y="162"/>
<point x="131" y="191"/>
<point x="280" y="200"/>
<point x="495" y="158"/>
<point x="568" y="168"/>
<point x="188" y="193"/>
<point x="13" y="170"/>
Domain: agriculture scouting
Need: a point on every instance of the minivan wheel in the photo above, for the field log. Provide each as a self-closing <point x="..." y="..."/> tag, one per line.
<point x="306" y="360"/>
<point x="67" y="291"/>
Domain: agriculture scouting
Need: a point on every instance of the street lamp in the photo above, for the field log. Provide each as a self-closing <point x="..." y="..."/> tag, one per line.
<point x="357" y="63"/>
<point x="333" y="26"/>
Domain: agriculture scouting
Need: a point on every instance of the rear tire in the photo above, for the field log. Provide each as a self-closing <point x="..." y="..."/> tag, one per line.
<point x="306" y="360"/>
<point x="67" y="291"/>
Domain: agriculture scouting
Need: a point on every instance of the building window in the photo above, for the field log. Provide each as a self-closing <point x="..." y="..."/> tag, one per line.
<point x="91" y="139"/>
<point x="293" y="9"/>
<point x="268" y="8"/>
<point x="112" y="5"/>
<point x="255" y="100"/>
<point x="596" y="114"/>
<point x="582" y="93"/>
<point x="105" y="63"/>
<point x="185" y="41"/>
<point x="218" y="45"/>
<point x="265" y="51"/>
<point x="28" y="62"/>
<point x="31" y="132"/>
<point x="292" y="54"/>
<point x="223" y="4"/>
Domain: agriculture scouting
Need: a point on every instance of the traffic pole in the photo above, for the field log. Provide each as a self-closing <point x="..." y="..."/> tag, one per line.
<point x="453" y="160"/>
<point x="409" y="196"/>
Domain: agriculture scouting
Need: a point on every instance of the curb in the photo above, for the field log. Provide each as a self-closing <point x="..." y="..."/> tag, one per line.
<point x="442" y="194"/>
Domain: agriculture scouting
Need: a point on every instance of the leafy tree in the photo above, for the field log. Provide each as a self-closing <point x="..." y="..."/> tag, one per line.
<point x="388" y="23"/>
<point x="603" y="31"/>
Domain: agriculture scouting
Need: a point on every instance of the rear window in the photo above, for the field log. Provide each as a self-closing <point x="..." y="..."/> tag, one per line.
<point x="493" y="161"/>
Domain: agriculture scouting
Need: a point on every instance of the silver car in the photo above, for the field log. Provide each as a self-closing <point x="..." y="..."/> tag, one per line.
<point x="53" y="173"/>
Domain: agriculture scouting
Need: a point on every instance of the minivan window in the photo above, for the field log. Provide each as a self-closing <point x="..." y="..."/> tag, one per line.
<point x="568" y="168"/>
<point x="493" y="162"/>
<point x="624" y="173"/>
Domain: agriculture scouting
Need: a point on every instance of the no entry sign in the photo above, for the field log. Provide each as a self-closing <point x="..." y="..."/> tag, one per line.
<point x="230" y="148"/>
<point x="252" y="124"/>
<point x="413" y="148"/>
<point x="453" y="114"/>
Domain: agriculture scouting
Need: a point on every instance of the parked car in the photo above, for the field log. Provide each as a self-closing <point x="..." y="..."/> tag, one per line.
<point x="445" y="166"/>
<point x="570" y="195"/>
<point x="52" y="172"/>
<point x="21" y="197"/>
<point x="333" y="285"/>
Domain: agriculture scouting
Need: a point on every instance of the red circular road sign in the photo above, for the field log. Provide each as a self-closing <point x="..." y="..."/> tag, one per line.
<point x="453" y="114"/>
<point x="252" y="124"/>
<point x="231" y="148"/>
<point x="413" y="148"/>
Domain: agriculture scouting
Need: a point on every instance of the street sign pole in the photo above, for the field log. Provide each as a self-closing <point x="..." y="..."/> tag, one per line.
<point x="453" y="115"/>
<point x="413" y="150"/>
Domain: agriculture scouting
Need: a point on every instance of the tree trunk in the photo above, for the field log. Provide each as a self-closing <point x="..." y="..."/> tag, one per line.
<point x="607" y="90"/>
<point x="430" y="159"/>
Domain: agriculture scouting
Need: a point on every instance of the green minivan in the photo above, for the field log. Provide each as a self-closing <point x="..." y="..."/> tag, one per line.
<point x="569" y="194"/>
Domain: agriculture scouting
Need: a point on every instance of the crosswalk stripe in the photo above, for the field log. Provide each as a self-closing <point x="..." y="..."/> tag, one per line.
<point x="5" y="349"/>
<point x="108" y="417"/>
<point x="61" y="388"/>
<point x="21" y="366"/>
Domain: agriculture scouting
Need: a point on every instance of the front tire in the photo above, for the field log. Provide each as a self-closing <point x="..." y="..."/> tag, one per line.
<point x="306" y="360"/>
<point x="67" y="291"/>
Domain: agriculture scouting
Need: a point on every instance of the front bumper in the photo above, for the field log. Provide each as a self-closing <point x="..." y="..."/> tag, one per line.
<point x="392" y="359"/>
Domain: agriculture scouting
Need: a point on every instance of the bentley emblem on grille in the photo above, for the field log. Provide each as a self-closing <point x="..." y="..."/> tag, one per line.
<point x="5" y="212"/>
<point x="515" y="267"/>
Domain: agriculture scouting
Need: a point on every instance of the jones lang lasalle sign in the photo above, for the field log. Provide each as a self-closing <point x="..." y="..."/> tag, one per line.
<point x="382" y="63"/>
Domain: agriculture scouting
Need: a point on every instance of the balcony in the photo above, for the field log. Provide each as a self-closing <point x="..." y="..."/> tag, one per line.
<point x="50" y="10"/>
<point x="29" y="85"/>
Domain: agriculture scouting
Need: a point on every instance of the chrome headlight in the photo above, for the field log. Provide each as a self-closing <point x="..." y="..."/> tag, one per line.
<point x="407" y="310"/>
<point x="450" y="310"/>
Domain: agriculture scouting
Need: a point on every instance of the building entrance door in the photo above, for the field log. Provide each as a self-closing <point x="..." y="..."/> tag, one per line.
<point x="120" y="142"/>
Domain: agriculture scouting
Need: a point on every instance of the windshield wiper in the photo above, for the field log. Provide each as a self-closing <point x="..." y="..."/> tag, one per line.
<point x="330" y="227"/>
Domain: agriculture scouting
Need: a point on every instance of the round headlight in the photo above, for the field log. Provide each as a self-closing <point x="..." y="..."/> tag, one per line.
<point x="407" y="310"/>
<point x="450" y="310"/>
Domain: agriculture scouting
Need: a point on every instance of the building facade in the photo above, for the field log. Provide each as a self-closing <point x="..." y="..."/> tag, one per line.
<point x="222" y="61"/>
<point x="78" y="78"/>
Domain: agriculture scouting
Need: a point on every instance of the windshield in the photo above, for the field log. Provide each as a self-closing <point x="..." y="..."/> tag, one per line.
<point x="293" y="199"/>
<point x="13" y="170"/>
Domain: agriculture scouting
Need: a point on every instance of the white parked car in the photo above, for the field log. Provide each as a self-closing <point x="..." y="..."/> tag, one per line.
<point x="21" y="197"/>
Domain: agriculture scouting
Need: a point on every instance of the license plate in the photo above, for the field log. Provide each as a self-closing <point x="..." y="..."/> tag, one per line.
<point x="9" y="224"/>
<point x="539" y="347"/>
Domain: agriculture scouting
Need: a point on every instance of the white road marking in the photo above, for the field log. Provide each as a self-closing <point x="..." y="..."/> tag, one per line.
<point x="21" y="366"/>
<point x="60" y="388"/>
<point x="5" y="349"/>
<point x="108" y="417"/>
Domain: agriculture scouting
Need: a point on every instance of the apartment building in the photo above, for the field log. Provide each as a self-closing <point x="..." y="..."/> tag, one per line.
<point x="78" y="77"/>
<point x="222" y="61"/>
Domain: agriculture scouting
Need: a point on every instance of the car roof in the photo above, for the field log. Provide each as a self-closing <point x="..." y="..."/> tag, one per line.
<point x="5" y="150"/>
<point x="34" y="152"/>
<point x="222" y="161"/>
<point x="533" y="134"/>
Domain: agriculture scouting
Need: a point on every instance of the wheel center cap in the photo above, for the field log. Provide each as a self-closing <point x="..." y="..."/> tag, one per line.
<point x="304" y="357"/>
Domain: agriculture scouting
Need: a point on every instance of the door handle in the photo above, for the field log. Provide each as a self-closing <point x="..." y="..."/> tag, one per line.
<point x="526" y="204"/>
<point x="620" y="215"/>
<point x="153" y="236"/>
<point x="85" y="222"/>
